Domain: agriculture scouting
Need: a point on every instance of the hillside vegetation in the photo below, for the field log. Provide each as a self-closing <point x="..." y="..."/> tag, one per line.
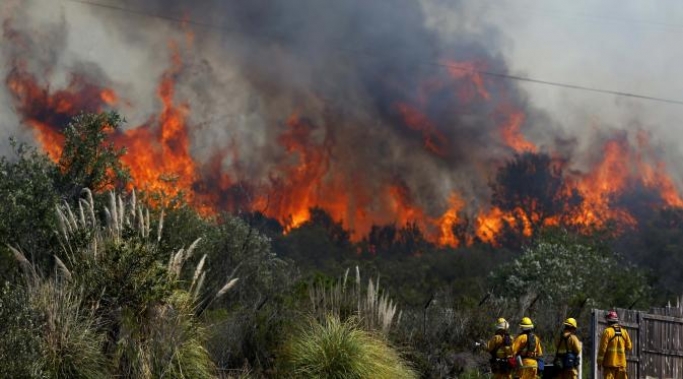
<point x="101" y="280"/>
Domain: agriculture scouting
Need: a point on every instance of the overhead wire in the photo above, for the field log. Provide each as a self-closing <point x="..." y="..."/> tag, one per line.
<point x="493" y="74"/>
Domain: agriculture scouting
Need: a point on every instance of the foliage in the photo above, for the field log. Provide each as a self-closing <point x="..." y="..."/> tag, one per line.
<point x="20" y="347"/>
<point x="27" y="207"/>
<point x="657" y="246"/>
<point x="562" y="269"/>
<point x="112" y="294"/>
<point x="87" y="159"/>
<point x="335" y="349"/>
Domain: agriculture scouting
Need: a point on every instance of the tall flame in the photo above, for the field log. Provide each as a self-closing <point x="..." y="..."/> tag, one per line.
<point x="160" y="159"/>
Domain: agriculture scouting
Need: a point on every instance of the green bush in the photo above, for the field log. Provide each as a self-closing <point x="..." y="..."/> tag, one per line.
<point x="336" y="349"/>
<point x="20" y="351"/>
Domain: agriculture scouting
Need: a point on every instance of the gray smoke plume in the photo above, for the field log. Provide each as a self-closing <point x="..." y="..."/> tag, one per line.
<point x="347" y="68"/>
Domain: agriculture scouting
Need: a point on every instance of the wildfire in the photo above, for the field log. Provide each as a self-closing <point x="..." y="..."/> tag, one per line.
<point x="160" y="159"/>
<point x="307" y="174"/>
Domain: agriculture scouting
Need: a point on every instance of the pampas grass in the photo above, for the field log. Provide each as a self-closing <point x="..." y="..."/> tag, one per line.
<point x="335" y="349"/>
<point x="376" y="311"/>
<point x="112" y="296"/>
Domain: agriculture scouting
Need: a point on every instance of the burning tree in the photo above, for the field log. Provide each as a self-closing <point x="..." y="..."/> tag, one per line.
<point x="89" y="158"/>
<point x="531" y="187"/>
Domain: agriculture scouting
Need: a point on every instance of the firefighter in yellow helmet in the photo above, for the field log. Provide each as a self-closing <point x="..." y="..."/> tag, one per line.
<point x="527" y="346"/>
<point x="568" y="351"/>
<point x="614" y="343"/>
<point x="500" y="348"/>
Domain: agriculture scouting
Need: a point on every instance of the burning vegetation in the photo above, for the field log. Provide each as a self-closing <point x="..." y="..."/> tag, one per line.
<point x="455" y="151"/>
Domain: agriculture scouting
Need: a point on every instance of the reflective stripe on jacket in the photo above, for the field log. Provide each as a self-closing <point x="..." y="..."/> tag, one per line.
<point x="496" y="345"/>
<point x="612" y="350"/>
<point x="572" y="344"/>
<point x="528" y="357"/>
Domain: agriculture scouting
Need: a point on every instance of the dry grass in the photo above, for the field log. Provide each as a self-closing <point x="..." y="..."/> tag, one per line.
<point x="375" y="310"/>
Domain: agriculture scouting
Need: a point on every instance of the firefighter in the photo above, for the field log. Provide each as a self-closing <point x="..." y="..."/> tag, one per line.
<point x="614" y="343"/>
<point x="568" y="351"/>
<point x="527" y="346"/>
<point x="500" y="348"/>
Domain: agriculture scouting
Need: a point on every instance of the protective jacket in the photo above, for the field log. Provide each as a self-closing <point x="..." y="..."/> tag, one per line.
<point x="568" y="343"/>
<point x="614" y="344"/>
<point x="529" y="352"/>
<point x="497" y="346"/>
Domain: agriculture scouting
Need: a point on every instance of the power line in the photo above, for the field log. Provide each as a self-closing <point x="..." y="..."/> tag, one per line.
<point x="372" y="55"/>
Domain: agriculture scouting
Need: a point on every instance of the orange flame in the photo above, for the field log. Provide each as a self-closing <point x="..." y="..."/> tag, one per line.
<point x="160" y="159"/>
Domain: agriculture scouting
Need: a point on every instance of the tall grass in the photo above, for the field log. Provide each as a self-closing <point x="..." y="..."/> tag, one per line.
<point x="71" y="342"/>
<point x="115" y="306"/>
<point x="375" y="310"/>
<point x="335" y="349"/>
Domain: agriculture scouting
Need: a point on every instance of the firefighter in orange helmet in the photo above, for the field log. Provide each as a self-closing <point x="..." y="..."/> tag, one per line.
<point x="500" y="348"/>
<point x="527" y="346"/>
<point x="614" y="343"/>
<point x="568" y="351"/>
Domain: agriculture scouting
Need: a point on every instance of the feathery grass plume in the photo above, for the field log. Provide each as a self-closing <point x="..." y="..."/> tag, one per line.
<point x="148" y="227"/>
<point x="358" y="289"/>
<point x="161" y="225"/>
<point x="197" y="271"/>
<point x="121" y="212"/>
<point x="63" y="223"/>
<point x="91" y="205"/>
<point x="71" y="219"/>
<point x="30" y="273"/>
<point x="231" y="283"/>
<point x="81" y="213"/>
<point x="375" y="310"/>
<point x="335" y="349"/>
<point x="108" y="218"/>
<point x="177" y="262"/>
<point x="141" y="223"/>
<point x="153" y="332"/>
<point x="346" y="275"/>
<point x="133" y="203"/>
<point x="199" y="286"/>
<point x="62" y="268"/>
<point x="113" y="225"/>
<point x="19" y="256"/>
<point x="190" y="250"/>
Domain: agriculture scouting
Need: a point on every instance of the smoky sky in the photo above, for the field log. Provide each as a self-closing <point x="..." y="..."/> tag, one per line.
<point x="345" y="66"/>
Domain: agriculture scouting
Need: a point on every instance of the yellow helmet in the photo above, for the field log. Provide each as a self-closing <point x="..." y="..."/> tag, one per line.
<point x="526" y="324"/>
<point x="570" y="322"/>
<point x="503" y="324"/>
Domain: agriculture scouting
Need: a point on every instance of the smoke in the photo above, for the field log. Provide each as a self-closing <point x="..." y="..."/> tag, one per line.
<point x="372" y="81"/>
<point x="345" y="66"/>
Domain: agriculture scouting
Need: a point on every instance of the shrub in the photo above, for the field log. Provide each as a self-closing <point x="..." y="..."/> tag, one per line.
<point x="19" y="343"/>
<point x="335" y="349"/>
<point x="116" y="304"/>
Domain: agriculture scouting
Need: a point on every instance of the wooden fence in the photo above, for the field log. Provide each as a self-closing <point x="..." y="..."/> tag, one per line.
<point x="657" y="338"/>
